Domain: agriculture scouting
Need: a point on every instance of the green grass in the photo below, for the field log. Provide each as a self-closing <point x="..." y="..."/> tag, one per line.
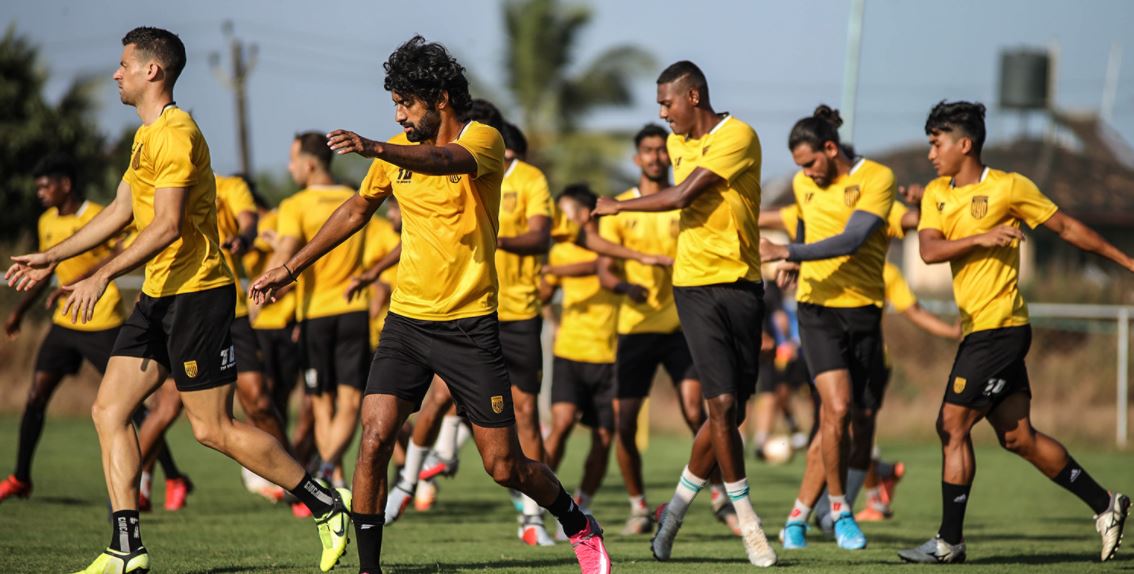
<point x="1018" y="520"/>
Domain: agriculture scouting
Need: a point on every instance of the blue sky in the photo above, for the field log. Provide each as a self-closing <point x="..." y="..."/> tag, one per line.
<point x="768" y="62"/>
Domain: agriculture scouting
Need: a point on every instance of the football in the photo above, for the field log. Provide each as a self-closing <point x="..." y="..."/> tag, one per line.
<point x="778" y="449"/>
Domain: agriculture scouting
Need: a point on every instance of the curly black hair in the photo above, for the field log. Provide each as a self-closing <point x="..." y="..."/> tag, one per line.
<point x="423" y="70"/>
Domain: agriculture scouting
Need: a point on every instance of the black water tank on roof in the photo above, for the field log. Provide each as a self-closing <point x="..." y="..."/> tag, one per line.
<point x="1024" y="79"/>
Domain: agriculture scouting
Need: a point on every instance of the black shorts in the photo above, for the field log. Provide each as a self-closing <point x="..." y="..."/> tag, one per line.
<point x="189" y="334"/>
<point x="248" y="357"/>
<point x="523" y="353"/>
<point x="835" y="338"/>
<point x="336" y="350"/>
<point x="989" y="367"/>
<point x="63" y="350"/>
<point x="588" y="386"/>
<point x="768" y="381"/>
<point x="723" y="326"/>
<point x="281" y="359"/>
<point x="465" y="353"/>
<point x="640" y="354"/>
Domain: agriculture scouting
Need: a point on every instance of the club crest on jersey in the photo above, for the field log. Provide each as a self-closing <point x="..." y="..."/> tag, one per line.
<point x="978" y="207"/>
<point x="851" y="195"/>
<point x="497" y="404"/>
<point x="508" y="201"/>
<point x="959" y="385"/>
<point x="455" y="178"/>
<point x="191" y="369"/>
<point x="136" y="162"/>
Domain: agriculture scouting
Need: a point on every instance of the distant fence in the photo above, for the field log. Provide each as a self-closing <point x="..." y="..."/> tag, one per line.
<point x="1121" y="314"/>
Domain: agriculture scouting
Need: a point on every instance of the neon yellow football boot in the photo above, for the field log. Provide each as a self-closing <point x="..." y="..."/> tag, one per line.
<point x="333" y="530"/>
<point x="115" y="562"/>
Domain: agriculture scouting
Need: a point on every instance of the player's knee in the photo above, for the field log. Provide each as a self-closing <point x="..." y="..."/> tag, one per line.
<point x="722" y="409"/>
<point x="504" y="470"/>
<point x="208" y="435"/>
<point x="693" y="412"/>
<point x="375" y="443"/>
<point x="835" y="411"/>
<point x="1020" y="442"/>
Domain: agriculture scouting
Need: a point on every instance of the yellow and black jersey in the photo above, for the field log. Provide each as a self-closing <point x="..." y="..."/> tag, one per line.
<point x="281" y="313"/>
<point x="985" y="280"/>
<point x="587" y="324"/>
<point x="449" y="226"/>
<point x="646" y="232"/>
<point x="322" y="286"/>
<point x="720" y="233"/>
<point x="172" y="153"/>
<point x="53" y="229"/>
<point x="853" y="280"/>
<point x="523" y="195"/>
<point x="233" y="198"/>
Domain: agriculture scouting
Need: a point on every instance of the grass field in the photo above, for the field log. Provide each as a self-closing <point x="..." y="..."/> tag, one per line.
<point x="1018" y="520"/>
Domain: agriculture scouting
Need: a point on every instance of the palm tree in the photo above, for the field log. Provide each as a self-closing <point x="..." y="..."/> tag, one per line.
<point x="542" y="36"/>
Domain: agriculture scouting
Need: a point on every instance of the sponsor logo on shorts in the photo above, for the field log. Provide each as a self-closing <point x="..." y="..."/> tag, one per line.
<point x="191" y="369"/>
<point x="959" y="385"/>
<point x="228" y="358"/>
<point x="497" y="404"/>
<point x="851" y="195"/>
<point x="994" y="386"/>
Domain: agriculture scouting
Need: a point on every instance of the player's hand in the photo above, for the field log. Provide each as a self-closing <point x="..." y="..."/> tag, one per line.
<point x="238" y="246"/>
<point x="658" y="260"/>
<point x="12" y="325"/>
<point x="912" y="193"/>
<point x="772" y="251"/>
<point x="1000" y="236"/>
<point x="29" y="270"/>
<point x="83" y="296"/>
<point x="606" y="206"/>
<point x="787" y="273"/>
<point x="637" y="293"/>
<point x="343" y="142"/>
<point x="269" y="287"/>
<point x="358" y="285"/>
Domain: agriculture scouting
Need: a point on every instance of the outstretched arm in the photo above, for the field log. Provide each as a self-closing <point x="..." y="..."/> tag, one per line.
<point x="931" y="323"/>
<point x="858" y="228"/>
<point x="1074" y="232"/>
<point x="771" y="219"/>
<point x="677" y="197"/>
<point x="449" y="159"/>
<point x="347" y="220"/>
<point x="535" y="241"/>
<point x="593" y="241"/>
<point x="935" y="248"/>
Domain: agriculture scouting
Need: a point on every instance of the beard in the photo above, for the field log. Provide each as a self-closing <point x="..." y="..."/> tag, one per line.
<point x="426" y="129"/>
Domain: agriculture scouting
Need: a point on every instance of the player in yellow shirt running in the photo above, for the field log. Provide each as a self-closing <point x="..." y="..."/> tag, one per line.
<point x="972" y="217"/>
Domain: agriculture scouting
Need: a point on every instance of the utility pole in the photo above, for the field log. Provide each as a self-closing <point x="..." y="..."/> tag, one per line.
<point x="850" y="69"/>
<point x="242" y="65"/>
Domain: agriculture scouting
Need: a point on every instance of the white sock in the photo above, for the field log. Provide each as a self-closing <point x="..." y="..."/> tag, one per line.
<point x="838" y="505"/>
<point x="760" y="438"/>
<point x="446" y="445"/>
<point x="415" y="456"/>
<point x="738" y="494"/>
<point x="145" y="484"/>
<point x="687" y="488"/>
<point x="799" y="512"/>
<point x="638" y="504"/>
<point x="463" y="436"/>
<point x="532" y="509"/>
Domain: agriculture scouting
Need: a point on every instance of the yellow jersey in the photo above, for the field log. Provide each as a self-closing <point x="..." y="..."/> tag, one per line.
<point x="172" y="153"/>
<point x="233" y="198"/>
<point x="381" y="239"/>
<point x="587" y="324"/>
<point x="985" y="281"/>
<point x="646" y="232"/>
<point x="449" y="225"/>
<point x="898" y="292"/>
<point x="280" y="314"/>
<point x="53" y="229"/>
<point x="720" y="233"/>
<point x="853" y="280"/>
<point x="321" y="291"/>
<point x="523" y="195"/>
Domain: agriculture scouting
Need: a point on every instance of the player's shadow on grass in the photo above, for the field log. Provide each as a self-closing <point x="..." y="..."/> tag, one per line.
<point x="66" y="501"/>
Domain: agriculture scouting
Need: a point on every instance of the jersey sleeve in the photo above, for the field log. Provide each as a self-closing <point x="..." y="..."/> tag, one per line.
<point x="732" y="152"/>
<point x="930" y="215"/>
<point x="290" y="220"/>
<point x="898" y="292"/>
<point x="877" y="194"/>
<point x="173" y="158"/>
<point x="376" y="184"/>
<point x="239" y="197"/>
<point x="610" y="230"/>
<point x="790" y="217"/>
<point x="538" y="197"/>
<point x="894" y="229"/>
<point x="1029" y="204"/>
<point x="486" y="147"/>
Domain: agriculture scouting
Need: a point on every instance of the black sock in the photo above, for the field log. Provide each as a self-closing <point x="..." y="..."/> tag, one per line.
<point x="954" y="499"/>
<point x="1076" y="480"/>
<point x="368" y="535"/>
<point x="568" y="513"/>
<point x="31" y="426"/>
<point x="165" y="459"/>
<point x="316" y="496"/>
<point x="127" y="531"/>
